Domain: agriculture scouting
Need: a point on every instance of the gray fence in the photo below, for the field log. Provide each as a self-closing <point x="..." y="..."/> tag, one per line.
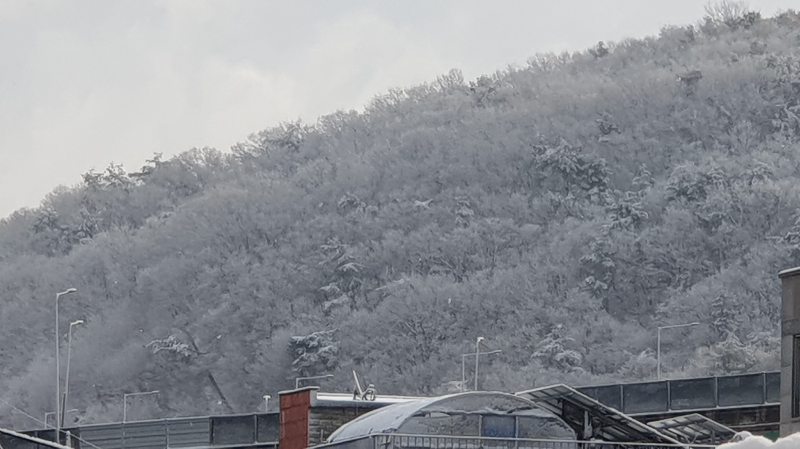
<point x="689" y="394"/>
<point x="231" y="430"/>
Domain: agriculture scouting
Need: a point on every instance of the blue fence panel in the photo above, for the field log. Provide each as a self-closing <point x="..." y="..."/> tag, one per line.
<point x="233" y="429"/>
<point x="692" y="394"/>
<point x="610" y="395"/>
<point x="773" y="387"/>
<point x="268" y="427"/>
<point x="645" y="397"/>
<point x="747" y="389"/>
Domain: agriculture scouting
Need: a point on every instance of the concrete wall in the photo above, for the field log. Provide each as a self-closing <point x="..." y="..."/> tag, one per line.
<point x="790" y="327"/>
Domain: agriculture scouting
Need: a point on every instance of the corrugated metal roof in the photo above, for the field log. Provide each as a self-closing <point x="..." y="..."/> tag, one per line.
<point x="571" y="405"/>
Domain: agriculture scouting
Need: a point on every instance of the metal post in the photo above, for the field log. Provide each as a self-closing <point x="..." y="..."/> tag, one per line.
<point x="58" y="368"/>
<point x="46" y="414"/>
<point x="658" y="355"/>
<point x="658" y="344"/>
<point x="125" y="402"/>
<point x="463" y="372"/>
<point x="477" y="359"/>
<point x="66" y="380"/>
<point x="464" y="365"/>
<point x="298" y="379"/>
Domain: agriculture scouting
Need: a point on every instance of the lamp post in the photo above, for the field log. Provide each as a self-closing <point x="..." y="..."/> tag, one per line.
<point x="658" y="344"/>
<point x="125" y="402"/>
<point x="58" y="367"/>
<point x="66" y="380"/>
<point x="298" y="379"/>
<point x="46" y="414"/>
<point x="477" y="358"/>
<point x="464" y="365"/>
<point x="266" y="398"/>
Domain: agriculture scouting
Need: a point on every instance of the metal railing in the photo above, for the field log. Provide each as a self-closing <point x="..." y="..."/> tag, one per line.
<point x="689" y="394"/>
<point x="404" y="441"/>
<point x="252" y="430"/>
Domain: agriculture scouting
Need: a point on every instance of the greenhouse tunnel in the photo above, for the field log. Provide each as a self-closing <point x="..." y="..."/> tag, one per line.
<point x="471" y="414"/>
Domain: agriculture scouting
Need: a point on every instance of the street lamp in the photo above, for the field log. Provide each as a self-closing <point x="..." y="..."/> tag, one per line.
<point x="658" y="344"/>
<point x="125" y="402"/>
<point x="66" y="380"/>
<point x="298" y="379"/>
<point x="463" y="364"/>
<point x="266" y="398"/>
<point x="58" y="367"/>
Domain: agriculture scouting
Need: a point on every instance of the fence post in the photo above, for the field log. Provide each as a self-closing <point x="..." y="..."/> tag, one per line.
<point x="669" y="395"/>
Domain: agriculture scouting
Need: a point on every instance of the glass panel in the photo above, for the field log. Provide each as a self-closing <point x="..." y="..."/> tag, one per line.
<point x="741" y="390"/>
<point x="691" y="394"/>
<point x="610" y="396"/>
<point x="796" y="377"/>
<point x="645" y="397"/>
<point x="773" y="387"/>
<point x="441" y="424"/>
<point x="499" y="426"/>
<point x="589" y="391"/>
<point x="268" y="427"/>
<point x="232" y="429"/>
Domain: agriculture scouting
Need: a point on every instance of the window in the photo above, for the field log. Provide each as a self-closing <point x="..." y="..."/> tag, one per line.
<point x="796" y="376"/>
<point x="498" y="426"/>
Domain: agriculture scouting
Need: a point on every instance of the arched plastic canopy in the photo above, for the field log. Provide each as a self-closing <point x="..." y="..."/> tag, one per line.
<point x="391" y="419"/>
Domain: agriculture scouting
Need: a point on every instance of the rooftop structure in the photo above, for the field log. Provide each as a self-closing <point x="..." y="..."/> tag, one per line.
<point x="694" y="428"/>
<point x="593" y="419"/>
<point x="485" y="414"/>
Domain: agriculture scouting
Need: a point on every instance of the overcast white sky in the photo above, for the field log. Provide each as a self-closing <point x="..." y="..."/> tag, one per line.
<point x="86" y="83"/>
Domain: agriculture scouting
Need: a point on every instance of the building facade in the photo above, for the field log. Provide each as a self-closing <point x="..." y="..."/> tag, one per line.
<point x="790" y="351"/>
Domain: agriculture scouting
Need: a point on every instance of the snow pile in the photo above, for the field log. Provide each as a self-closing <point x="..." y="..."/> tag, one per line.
<point x="758" y="442"/>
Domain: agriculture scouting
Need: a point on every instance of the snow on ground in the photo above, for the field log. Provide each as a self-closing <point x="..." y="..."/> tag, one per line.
<point x="758" y="442"/>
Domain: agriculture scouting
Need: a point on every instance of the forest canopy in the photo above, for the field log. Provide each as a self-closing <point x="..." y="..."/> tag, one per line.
<point x="562" y="210"/>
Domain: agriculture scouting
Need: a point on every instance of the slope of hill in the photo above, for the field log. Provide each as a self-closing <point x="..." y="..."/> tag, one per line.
<point x="563" y="211"/>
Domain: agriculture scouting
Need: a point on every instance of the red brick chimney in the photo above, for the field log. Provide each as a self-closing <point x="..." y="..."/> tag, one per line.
<point x="295" y="406"/>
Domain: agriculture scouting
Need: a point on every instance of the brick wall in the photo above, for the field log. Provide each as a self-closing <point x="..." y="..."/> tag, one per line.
<point x="294" y="410"/>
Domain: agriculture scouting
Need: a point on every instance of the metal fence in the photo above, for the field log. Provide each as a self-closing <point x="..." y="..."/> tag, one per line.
<point x="254" y="430"/>
<point x="689" y="394"/>
<point x="398" y="441"/>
